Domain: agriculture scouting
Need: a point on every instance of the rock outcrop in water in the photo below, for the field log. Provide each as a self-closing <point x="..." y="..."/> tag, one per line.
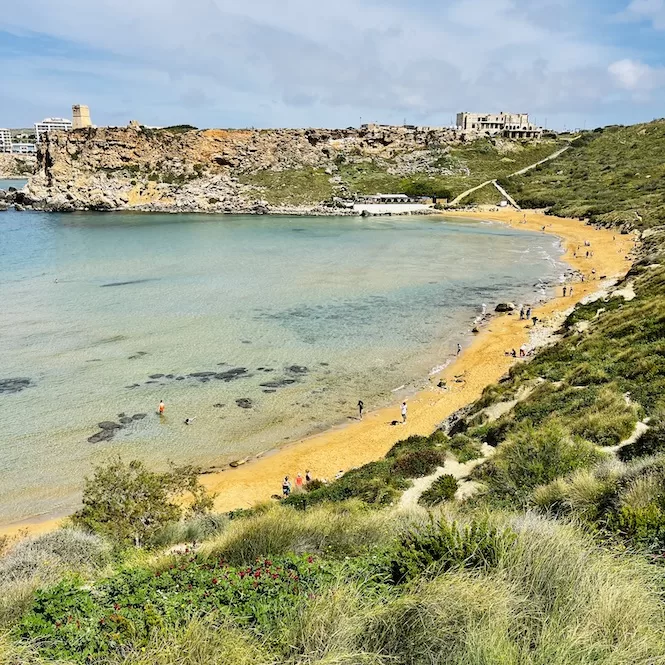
<point x="212" y="170"/>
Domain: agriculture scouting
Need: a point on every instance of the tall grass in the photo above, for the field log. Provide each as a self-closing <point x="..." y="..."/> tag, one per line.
<point x="207" y="641"/>
<point x="333" y="529"/>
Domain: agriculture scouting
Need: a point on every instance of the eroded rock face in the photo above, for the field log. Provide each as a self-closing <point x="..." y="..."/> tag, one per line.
<point x="110" y="168"/>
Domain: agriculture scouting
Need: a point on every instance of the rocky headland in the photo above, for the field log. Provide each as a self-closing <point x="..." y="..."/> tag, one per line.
<point x="137" y="168"/>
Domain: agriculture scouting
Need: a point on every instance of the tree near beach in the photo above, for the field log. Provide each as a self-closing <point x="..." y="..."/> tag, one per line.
<point x="129" y="504"/>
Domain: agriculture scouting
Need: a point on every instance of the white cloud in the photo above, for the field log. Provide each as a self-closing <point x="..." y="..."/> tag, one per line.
<point x="303" y="62"/>
<point x="637" y="76"/>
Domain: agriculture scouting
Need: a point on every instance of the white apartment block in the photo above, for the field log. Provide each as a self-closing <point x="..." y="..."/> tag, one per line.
<point x="5" y="140"/>
<point x="511" y="125"/>
<point x="51" y="125"/>
<point x="24" y="148"/>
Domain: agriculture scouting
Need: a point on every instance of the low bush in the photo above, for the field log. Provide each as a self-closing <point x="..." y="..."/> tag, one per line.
<point x="130" y="504"/>
<point x="441" y="545"/>
<point x="442" y="489"/>
<point x="465" y="448"/>
<point x="193" y="530"/>
<point x="76" y="622"/>
<point x="417" y="463"/>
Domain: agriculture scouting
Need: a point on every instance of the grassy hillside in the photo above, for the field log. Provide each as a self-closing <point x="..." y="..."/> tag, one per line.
<point x="454" y="171"/>
<point x="612" y="175"/>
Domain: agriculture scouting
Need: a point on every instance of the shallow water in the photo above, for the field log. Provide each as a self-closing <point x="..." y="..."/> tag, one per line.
<point x="19" y="183"/>
<point x="323" y="310"/>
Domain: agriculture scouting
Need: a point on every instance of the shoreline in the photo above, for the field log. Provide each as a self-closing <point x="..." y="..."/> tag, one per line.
<point x="481" y="363"/>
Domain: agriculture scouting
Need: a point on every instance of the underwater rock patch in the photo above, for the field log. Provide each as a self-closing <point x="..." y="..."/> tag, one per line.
<point x="244" y="403"/>
<point x="15" y="385"/>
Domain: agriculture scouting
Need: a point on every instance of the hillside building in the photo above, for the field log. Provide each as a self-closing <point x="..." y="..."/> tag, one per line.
<point x="24" y="148"/>
<point x="5" y="140"/>
<point x="80" y="116"/>
<point x="510" y="125"/>
<point x="51" y="125"/>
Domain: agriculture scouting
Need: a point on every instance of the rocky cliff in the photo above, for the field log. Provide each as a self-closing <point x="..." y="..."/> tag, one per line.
<point x="16" y="166"/>
<point x="220" y="170"/>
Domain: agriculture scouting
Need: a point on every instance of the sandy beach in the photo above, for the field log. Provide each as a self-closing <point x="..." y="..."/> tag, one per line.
<point x="481" y="363"/>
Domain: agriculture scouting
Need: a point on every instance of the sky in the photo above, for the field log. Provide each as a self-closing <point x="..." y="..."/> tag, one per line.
<point x="332" y="63"/>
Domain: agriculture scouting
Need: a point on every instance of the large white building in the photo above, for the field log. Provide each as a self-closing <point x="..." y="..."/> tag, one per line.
<point x="512" y="125"/>
<point x="5" y="140"/>
<point x="51" y="125"/>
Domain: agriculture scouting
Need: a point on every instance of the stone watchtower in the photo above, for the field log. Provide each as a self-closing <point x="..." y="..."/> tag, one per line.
<point x="80" y="116"/>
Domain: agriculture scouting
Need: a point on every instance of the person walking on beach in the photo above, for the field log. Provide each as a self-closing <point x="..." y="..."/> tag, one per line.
<point x="403" y="410"/>
<point x="161" y="407"/>
<point x="570" y="292"/>
<point x="528" y="313"/>
<point x="286" y="487"/>
<point x="459" y="348"/>
<point x="564" y="291"/>
<point x="308" y="477"/>
<point x="299" y="482"/>
<point x="522" y="314"/>
<point x="361" y="406"/>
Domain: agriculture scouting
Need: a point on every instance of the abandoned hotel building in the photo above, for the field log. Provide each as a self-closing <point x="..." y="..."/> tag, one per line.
<point x="510" y="125"/>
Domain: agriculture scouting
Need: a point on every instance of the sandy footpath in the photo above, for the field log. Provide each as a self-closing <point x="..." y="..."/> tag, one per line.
<point x="483" y="362"/>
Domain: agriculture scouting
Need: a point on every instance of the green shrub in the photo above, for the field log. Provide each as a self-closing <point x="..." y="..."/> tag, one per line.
<point x="442" y="545"/>
<point x="417" y="463"/>
<point x="74" y="621"/>
<point x="442" y="489"/>
<point x="465" y="448"/>
<point x="192" y="530"/>
<point x="644" y="525"/>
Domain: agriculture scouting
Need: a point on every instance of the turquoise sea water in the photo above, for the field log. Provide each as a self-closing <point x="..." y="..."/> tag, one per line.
<point x="19" y="183"/>
<point x="323" y="310"/>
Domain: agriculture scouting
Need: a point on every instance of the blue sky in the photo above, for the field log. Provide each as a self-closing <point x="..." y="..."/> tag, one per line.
<point x="294" y="63"/>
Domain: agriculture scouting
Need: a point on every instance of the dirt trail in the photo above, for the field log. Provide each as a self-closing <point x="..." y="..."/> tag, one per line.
<point x="409" y="500"/>
<point x="493" y="181"/>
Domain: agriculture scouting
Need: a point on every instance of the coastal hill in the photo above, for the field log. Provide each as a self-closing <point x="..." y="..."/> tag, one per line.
<point x="264" y="170"/>
<point x="527" y="529"/>
<point x="613" y="175"/>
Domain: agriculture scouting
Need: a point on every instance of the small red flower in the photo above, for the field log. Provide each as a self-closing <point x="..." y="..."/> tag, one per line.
<point x="214" y="580"/>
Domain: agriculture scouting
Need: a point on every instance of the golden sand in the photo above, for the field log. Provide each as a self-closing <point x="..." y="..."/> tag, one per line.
<point x="482" y="363"/>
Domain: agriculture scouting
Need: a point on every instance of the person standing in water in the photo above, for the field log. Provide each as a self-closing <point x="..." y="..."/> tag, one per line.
<point x="161" y="407"/>
<point x="403" y="410"/>
<point x="459" y="348"/>
<point x="361" y="406"/>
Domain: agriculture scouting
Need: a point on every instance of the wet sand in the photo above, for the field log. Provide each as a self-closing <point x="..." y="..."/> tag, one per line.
<point x="483" y="362"/>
